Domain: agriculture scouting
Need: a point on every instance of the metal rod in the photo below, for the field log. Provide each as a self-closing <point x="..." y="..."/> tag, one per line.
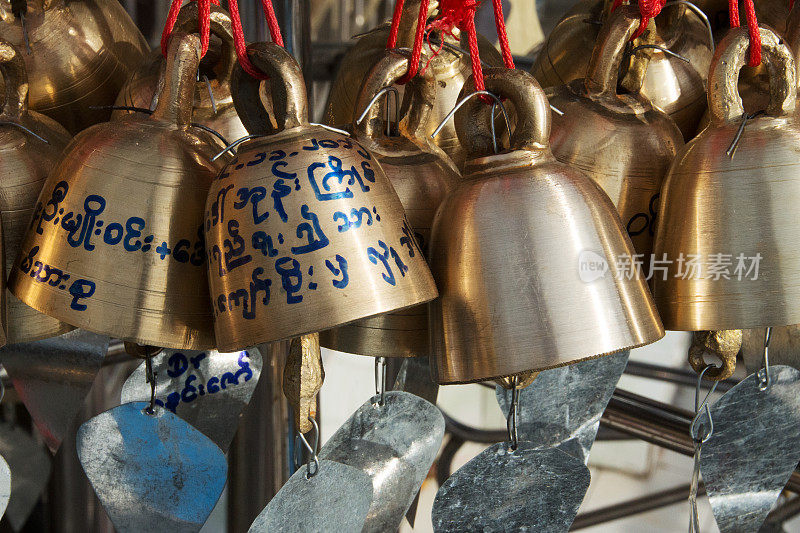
<point x="678" y="376"/>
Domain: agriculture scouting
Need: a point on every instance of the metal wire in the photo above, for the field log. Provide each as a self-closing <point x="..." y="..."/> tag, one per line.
<point x="388" y="91"/>
<point x="765" y="380"/>
<point x="312" y="450"/>
<point x="699" y="12"/>
<point x="23" y="128"/>
<point x="380" y="380"/>
<point x="463" y="101"/>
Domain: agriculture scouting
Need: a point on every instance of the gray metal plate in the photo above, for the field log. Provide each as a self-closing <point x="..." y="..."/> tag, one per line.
<point x="530" y="489"/>
<point x="30" y="463"/>
<point x="53" y="377"/>
<point x="152" y="473"/>
<point x="5" y="485"/>
<point x="395" y="444"/>
<point x="415" y="377"/>
<point x="336" y="499"/>
<point x="753" y="450"/>
<point x="563" y="406"/>
<point x="207" y="389"/>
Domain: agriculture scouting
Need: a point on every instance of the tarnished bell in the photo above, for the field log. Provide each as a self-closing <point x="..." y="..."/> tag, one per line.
<point x="220" y="115"/>
<point x="620" y="141"/>
<point x="450" y="68"/>
<point x="675" y="86"/>
<point x="422" y="175"/>
<point x="784" y="347"/>
<point x="303" y="229"/>
<point x="81" y="52"/>
<point x="520" y="252"/>
<point x="116" y="241"/>
<point x="727" y="223"/>
<point x="25" y="161"/>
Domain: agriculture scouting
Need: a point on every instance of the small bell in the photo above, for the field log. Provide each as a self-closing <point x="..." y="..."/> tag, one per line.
<point x="674" y="84"/>
<point x="521" y="253"/>
<point x="450" y="68"/>
<point x="116" y="241"/>
<point x="422" y="175"/>
<point x="620" y="141"/>
<point x="727" y="226"/>
<point x="304" y="231"/>
<point x="213" y="103"/>
<point x="77" y="53"/>
<point x="31" y="144"/>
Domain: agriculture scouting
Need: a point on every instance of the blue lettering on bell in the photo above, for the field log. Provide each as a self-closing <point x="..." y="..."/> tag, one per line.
<point x="50" y="210"/>
<point x="279" y="191"/>
<point x="218" y="208"/>
<point x="313" y="232"/>
<point x="263" y="242"/>
<point x="341" y="270"/>
<point x="80" y="289"/>
<point x="288" y="274"/>
<point x="177" y="365"/>
<point x="254" y="197"/>
<point x="384" y="257"/>
<point x="93" y="205"/>
<point x="133" y="230"/>
<point x="335" y="164"/>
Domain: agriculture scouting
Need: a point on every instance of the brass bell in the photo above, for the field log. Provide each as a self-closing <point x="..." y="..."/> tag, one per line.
<point x="727" y="226"/>
<point x="303" y="229"/>
<point x="31" y="144"/>
<point x="672" y="84"/>
<point x="77" y="53"/>
<point x="620" y="141"/>
<point x="784" y="347"/>
<point x="116" y="244"/>
<point x="422" y="175"/>
<point x="215" y="71"/>
<point x="450" y="68"/>
<point x="772" y="13"/>
<point x="521" y="252"/>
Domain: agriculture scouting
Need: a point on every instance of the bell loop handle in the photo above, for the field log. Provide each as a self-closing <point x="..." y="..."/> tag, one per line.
<point x="221" y="26"/>
<point x="496" y="101"/>
<point x="716" y="373"/>
<point x="312" y="450"/>
<point x="602" y="75"/>
<point x="286" y="83"/>
<point x="12" y="69"/>
<point x="532" y="113"/>
<point x="724" y="101"/>
<point x="418" y="100"/>
<point x="175" y="102"/>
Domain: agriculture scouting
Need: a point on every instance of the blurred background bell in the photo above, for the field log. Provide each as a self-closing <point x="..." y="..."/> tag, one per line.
<point x="116" y="242"/>
<point x="521" y="252"/>
<point x="422" y="175"/>
<point x="450" y="68"/>
<point x="621" y="141"/>
<point x="78" y="53"/>
<point x="31" y="144"/>
<point x="216" y="68"/>
<point x="729" y="202"/>
<point x="772" y="13"/>
<point x="672" y="84"/>
<point x="311" y="237"/>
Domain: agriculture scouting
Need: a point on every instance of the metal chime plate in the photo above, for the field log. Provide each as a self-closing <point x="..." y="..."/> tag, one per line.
<point x="152" y="473"/>
<point x="208" y="389"/>
<point x="30" y="463"/>
<point x="753" y="450"/>
<point x="563" y="406"/>
<point x="5" y="485"/>
<point x="53" y="377"/>
<point x="530" y="489"/>
<point x="395" y="444"/>
<point x="336" y="499"/>
<point x="415" y="377"/>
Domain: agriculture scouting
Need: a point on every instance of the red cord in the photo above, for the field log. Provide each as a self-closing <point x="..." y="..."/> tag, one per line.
<point x="416" y="51"/>
<point x="648" y="9"/>
<point x="502" y="36"/>
<point x="461" y="14"/>
<point x="204" y="23"/>
<point x="238" y="35"/>
<point x="752" y="28"/>
<point x="395" y="27"/>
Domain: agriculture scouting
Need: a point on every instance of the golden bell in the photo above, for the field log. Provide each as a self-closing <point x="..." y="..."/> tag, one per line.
<point x="220" y="115"/>
<point x="116" y="241"/>
<point x="620" y="141"/>
<point x="422" y="175"/>
<point x="31" y="144"/>
<point x="450" y="68"/>
<point x="727" y="226"/>
<point x="81" y="52"/>
<point x="672" y="84"/>
<point x="303" y="229"/>
<point x="521" y="252"/>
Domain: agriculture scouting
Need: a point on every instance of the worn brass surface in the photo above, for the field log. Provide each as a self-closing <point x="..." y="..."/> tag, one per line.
<point x="620" y="141"/>
<point x="772" y="13"/>
<point x="422" y="175"/>
<point x="304" y="230"/>
<point x="742" y="206"/>
<point x="723" y="344"/>
<point x="116" y="243"/>
<point x="677" y="87"/>
<point x="450" y="68"/>
<point x="506" y="251"/>
<point x="140" y="89"/>
<point x="82" y="51"/>
<point x="25" y="162"/>
<point x="520" y="381"/>
<point x="303" y="376"/>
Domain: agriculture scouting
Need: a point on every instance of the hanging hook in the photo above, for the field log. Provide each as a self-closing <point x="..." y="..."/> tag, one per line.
<point x="234" y="144"/>
<point x="765" y="381"/>
<point x="660" y="48"/>
<point x="699" y="440"/>
<point x="380" y="380"/>
<point x="312" y="451"/>
<point x="388" y="91"/>
<point x="731" y="151"/>
<point x="497" y="101"/>
<point x="513" y="415"/>
<point x="210" y="93"/>
<point x="699" y="12"/>
<point x="150" y="377"/>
